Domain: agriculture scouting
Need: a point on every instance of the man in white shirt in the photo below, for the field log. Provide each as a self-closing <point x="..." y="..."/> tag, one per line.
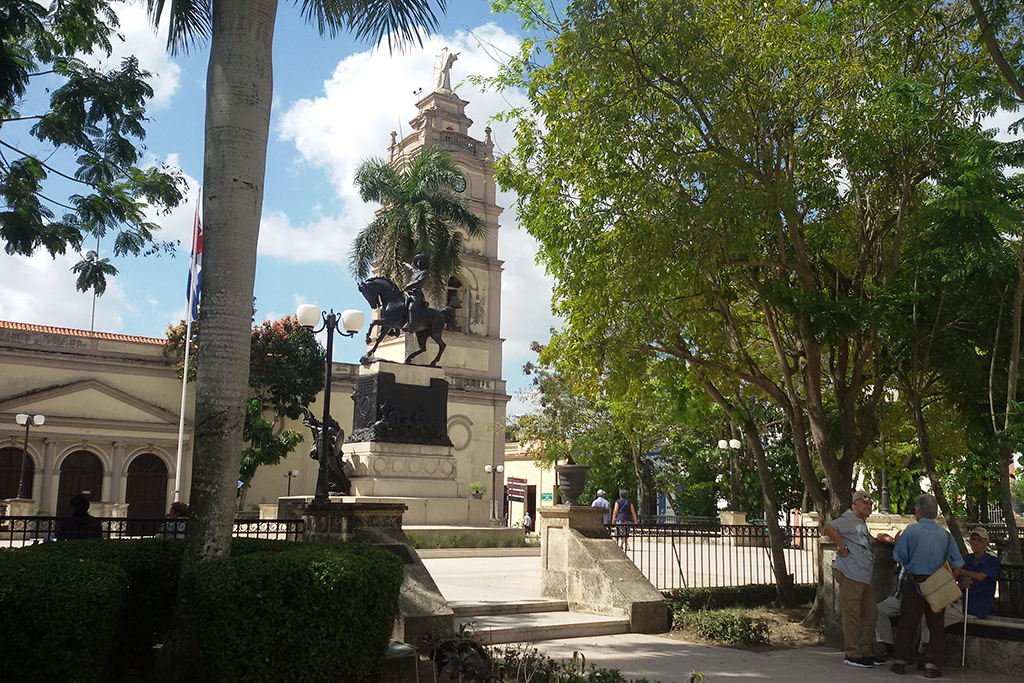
<point x="602" y="502"/>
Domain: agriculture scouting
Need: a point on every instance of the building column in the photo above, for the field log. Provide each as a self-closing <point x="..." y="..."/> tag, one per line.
<point x="116" y="492"/>
<point x="48" y="477"/>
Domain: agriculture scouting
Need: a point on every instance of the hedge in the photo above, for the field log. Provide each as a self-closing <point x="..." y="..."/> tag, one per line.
<point x="60" y="618"/>
<point x="308" y="613"/>
<point x="274" y="610"/>
<point x="751" y="595"/>
<point x="152" y="566"/>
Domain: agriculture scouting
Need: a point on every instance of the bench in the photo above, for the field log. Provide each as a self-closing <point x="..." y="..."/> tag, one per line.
<point x="994" y="643"/>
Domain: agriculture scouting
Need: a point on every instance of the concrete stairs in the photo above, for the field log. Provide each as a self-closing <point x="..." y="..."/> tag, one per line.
<point x="531" y="621"/>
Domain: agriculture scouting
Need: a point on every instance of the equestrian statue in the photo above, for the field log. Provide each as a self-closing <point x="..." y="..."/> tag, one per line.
<point x="406" y="310"/>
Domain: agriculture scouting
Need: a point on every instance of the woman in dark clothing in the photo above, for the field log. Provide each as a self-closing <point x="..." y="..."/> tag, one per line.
<point x="622" y="514"/>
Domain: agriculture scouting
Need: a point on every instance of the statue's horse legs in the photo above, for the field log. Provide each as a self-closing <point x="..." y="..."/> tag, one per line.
<point x="436" y="336"/>
<point x="421" y="339"/>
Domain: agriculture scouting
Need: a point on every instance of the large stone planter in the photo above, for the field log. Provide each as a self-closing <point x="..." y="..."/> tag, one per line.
<point x="571" y="481"/>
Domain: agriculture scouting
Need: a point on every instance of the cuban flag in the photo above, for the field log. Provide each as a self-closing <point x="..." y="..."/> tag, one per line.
<point x="195" y="271"/>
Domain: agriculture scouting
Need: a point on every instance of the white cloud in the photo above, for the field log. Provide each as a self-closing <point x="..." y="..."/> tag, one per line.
<point x="327" y="239"/>
<point x="51" y="298"/>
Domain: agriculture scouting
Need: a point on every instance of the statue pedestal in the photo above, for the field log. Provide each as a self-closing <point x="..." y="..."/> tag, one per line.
<point x="399" y="451"/>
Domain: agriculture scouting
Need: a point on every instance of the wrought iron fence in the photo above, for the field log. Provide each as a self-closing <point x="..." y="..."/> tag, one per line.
<point x="20" y="531"/>
<point x="708" y="554"/>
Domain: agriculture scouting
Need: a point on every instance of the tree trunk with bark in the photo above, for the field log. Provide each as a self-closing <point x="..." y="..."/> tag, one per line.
<point x="240" y="89"/>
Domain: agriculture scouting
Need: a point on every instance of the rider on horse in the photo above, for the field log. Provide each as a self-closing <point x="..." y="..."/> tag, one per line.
<point x="416" y="304"/>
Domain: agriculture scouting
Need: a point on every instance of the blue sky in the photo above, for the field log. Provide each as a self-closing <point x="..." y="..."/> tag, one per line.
<point x="335" y="103"/>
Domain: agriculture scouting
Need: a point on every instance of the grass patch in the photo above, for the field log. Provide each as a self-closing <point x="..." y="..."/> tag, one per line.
<point x="468" y="539"/>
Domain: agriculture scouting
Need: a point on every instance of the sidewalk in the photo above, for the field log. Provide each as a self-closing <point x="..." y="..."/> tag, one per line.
<point x="658" y="657"/>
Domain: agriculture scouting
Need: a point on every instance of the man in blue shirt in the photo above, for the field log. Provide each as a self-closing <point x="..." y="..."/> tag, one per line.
<point x="922" y="548"/>
<point x="978" y="578"/>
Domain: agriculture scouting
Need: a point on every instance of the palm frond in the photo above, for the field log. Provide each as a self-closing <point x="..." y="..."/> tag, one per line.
<point x="189" y="22"/>
<point x="402" y="21"/>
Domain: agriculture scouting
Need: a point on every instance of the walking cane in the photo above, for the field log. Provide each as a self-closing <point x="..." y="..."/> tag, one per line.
<point x="963" y="657"/>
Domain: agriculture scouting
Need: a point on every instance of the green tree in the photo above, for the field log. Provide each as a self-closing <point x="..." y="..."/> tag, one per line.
<point x="239" y="90"/>
<point x="732" y="184"/>
<point x="71" y="138"/>
<point x="286" y="372"/>
<point x="420" y="214"/>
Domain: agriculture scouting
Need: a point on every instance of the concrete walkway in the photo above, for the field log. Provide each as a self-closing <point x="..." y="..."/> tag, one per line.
<point x="498" y="578"/>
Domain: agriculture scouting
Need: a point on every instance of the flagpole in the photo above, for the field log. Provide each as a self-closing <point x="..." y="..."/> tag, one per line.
<point x="188" y="345"/>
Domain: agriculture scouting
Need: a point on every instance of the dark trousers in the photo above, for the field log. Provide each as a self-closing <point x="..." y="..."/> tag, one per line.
<point x="912" y="607"/>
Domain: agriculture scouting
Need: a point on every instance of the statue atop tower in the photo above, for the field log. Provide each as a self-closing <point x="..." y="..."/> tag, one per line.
<point x="443" y="70"/>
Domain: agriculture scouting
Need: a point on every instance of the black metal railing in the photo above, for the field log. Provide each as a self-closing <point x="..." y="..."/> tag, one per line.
<point x="708" y="554"/>
<point x="20" y="531"/>
<point x="1009" y="600"/>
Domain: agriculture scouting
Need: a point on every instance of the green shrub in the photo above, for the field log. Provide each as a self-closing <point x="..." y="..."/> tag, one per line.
<point x="60" y="618"/>
<point x="524" y="664"/>
<point x="723" y="626"/>
<point x="307" y="612"/>
<point x="751" y="595"/>
<point x="152" y="566"/>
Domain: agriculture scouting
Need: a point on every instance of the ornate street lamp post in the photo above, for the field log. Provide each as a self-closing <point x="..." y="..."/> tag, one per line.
<point x="26" y="420"/>
<point x="494" y="471"/>
<point x="351" y="321"/>
<point x="291" y="475"/>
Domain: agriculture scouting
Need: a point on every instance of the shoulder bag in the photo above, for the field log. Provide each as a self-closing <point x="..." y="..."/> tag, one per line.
<point x="940" y="589"/>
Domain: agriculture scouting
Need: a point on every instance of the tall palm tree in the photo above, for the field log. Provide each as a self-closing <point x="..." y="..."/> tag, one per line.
<point x="420" y="210"/>
<point x="239" y="87"/>
<point x="92" y="274"/>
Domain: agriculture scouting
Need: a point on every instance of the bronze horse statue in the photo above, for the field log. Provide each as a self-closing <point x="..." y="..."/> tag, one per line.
<point x="384" y="294"/>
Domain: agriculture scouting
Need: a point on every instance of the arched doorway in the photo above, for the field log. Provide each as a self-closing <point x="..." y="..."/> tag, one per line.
<point x="81" y="472"/>
<point x="146" y="488"/>
<point x="10" y="473"/>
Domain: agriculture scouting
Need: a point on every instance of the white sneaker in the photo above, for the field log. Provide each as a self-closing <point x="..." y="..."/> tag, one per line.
<point x="859" y="661"/>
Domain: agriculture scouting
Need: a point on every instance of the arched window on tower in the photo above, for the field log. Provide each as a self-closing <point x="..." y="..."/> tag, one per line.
<point x="456" y="297"/>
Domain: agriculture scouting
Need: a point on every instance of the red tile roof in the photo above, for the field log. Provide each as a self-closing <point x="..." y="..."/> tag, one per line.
<point x="67" y="331"/>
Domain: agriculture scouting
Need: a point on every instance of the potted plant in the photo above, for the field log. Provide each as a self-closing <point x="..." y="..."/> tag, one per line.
<point x="476" y="489"/>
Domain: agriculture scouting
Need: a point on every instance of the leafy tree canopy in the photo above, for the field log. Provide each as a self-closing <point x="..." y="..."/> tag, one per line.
<point x="736" y="185"/>
<point x="71" y="138"/>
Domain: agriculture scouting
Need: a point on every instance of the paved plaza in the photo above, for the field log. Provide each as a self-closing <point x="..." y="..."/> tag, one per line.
<point x="516" y="577"/>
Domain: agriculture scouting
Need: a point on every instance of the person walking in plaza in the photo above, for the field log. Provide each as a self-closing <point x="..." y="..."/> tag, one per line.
<point x="922" y="548"/>
<point x="623" y="514"/>
<point x="977" y="579"/>
<point x="602" y="502"/>
<point x="852" y="569"/>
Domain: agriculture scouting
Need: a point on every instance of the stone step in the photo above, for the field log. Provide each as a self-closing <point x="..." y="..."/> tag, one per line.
<point x="484" y="609"/>
<point x="539" y="626"/>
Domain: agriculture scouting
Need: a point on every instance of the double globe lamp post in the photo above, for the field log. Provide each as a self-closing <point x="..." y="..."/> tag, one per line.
<point x="494" y="472"/>
<point x="346" y="323"/>
<point x="27" y="421"/>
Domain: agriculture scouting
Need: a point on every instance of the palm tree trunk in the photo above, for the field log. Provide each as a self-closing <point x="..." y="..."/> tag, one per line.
<point x="239" y="90"/>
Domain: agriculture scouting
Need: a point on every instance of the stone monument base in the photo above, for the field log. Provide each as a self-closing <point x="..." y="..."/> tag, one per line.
<point x="446" y="511"/>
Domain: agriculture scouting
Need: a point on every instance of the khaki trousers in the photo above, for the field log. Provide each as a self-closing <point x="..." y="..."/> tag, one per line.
<point x="860" y="616"/>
